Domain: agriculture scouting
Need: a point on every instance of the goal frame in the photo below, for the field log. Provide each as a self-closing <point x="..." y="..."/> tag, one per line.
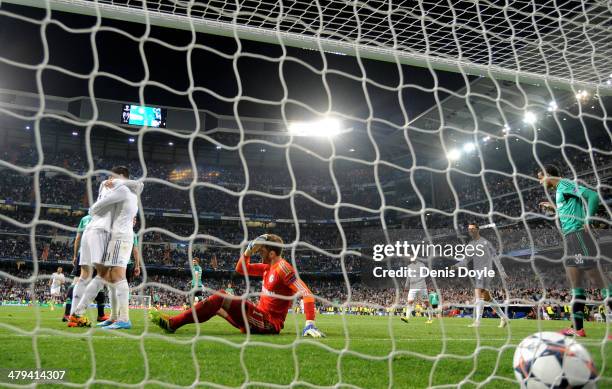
<point x="387" y="54"/>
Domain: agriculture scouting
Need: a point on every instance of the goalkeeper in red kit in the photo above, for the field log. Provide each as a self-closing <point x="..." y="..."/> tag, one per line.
<point x="267" y="317"/>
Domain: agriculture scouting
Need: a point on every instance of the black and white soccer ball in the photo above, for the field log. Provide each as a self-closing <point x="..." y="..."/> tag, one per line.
<point x="547" y="360"/>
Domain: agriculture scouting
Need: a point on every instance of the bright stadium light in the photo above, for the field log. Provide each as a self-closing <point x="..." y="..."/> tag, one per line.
<point x="27" y="127"/>
<point x="469" y="147"/>
<point x="218" y="147"/>
<point x="327" y="127"/>
<point x="170" y="143"/>
<point x="582" y="95"/>
<point x="453" y="155"/>
<point x="131" y="140"/>
<point x="530" y="117"/>
<point x="74" y="133"/>
<point x="486" y="139"/>
<point x="506" y="129"/>
<point x="552" y="106"/>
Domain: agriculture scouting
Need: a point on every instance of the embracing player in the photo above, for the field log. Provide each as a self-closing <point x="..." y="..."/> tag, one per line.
<point x="111" y="257"/>
<point x="482" y="283"/>
<point x="280" y="287"/>
<point x="580" y="263"/>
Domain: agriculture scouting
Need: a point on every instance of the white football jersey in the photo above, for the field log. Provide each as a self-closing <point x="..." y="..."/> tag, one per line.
<point x="58" y="280"/>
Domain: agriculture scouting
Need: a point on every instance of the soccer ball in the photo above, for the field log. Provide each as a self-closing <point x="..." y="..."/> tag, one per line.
<point x="547" y="360"/>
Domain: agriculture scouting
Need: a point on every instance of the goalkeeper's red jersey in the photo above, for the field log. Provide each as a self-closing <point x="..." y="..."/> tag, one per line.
<point x="278" y="279"/>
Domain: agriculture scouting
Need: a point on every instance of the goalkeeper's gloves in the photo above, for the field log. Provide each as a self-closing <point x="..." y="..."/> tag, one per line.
<point x="255" y="242"/>
<point x="311" y="330"/>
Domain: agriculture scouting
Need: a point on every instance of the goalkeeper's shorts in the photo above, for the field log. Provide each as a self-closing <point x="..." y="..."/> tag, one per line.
<point x="258" y="321"/>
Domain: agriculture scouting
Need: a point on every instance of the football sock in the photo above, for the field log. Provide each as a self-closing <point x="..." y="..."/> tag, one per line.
<point x="204" y="310"/>
<point x="100" y="302"/>
<point x="112" y="293"/>
<point x="93" y="288"/>
<point x="409" y="311"/>
<point x="68" y="304"/>
<point x="77" y="294"/>
<point x="498" y="309"/>
<point x="578" y="308"/>
<point x="478" y="308"/>
<point x="123" y="300"/>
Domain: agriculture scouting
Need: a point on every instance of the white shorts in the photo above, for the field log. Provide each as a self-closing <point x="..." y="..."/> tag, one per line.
<point x="413" y="294"/>
<point x="118" y="253"/>
<point x="93" y="247"/>
<point x="56" y="290"/>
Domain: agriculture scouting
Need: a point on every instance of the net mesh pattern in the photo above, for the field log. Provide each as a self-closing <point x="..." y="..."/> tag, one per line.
<point x="566" y="41"/>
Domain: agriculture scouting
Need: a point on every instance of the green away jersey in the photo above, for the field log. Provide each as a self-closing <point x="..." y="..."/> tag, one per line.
<point x="196" y="281"/>
<point x="433" y="298"/>
<point x="570" y="207"/>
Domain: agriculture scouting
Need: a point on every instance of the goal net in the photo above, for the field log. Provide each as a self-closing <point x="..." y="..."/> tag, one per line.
<point x="368" y="135"/>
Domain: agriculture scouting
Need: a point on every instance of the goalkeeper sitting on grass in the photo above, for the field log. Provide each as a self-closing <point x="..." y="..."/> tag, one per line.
<point x="268" y="317"/>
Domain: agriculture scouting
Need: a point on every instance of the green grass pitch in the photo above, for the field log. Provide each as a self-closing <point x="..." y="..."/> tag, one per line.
<point x="363" y="351"/>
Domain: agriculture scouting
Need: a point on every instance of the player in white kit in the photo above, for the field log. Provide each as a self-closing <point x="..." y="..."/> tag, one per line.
<point x="57" y="280"/>
<point x="121" y="203"/>
<point x="482" y="284"/>
<point x="417" y="290"/>
<point x="103" y="244"/>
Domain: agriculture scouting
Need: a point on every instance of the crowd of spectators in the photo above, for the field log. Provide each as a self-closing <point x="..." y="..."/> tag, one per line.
<point x="546" y="286"/>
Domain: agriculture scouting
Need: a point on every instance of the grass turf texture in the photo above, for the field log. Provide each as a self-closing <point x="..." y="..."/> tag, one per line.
<point x="370" y="353"/>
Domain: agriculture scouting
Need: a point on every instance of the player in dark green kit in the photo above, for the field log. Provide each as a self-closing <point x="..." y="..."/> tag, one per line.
<point x="575" y="206"/>
<point x="434" y="302"/>
<point x="196" y="281"/>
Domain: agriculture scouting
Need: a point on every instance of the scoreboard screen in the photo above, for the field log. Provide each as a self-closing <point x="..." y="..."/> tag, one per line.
<point x="138" y="115"/>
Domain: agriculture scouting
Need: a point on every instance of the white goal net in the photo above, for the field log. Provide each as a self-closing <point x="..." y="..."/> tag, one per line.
<point x="341" y="126"/>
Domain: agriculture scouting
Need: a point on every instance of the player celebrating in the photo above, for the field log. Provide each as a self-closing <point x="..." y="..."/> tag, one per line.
<point x="417" y="291"/>
<point x="57" y="280"/>
<point x="482" y="283"/>
<point x="121" y="203"/>
<point x="268" y="317"/>
<point x="581" y="254"/>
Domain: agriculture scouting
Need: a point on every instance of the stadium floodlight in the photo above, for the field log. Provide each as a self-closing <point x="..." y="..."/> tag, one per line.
<point x="486" y="139"/>
<point x="170" y="143"/>
<point x="582" y="95"/>
<point x="530" y="117"/>
<point x="74" y="133"/>
<point x="506" y="129"/>
<point x="552" y="106"/>
<point x="327" y="127"/>
<point x="218" y="147"/>
<point x="351" y="150"/>
<point x="27" y="127"/>
<point x="131" y="140"/>
<point x="469" y="147"/>
<point x="453" y="155"/>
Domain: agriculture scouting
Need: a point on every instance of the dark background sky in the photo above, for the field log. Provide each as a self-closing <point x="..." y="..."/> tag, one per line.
<point x="23" y="42"/>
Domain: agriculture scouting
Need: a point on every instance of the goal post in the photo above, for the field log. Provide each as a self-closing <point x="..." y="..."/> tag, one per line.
<point x="139" y="301"/>
<point x="522" y="43"/>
